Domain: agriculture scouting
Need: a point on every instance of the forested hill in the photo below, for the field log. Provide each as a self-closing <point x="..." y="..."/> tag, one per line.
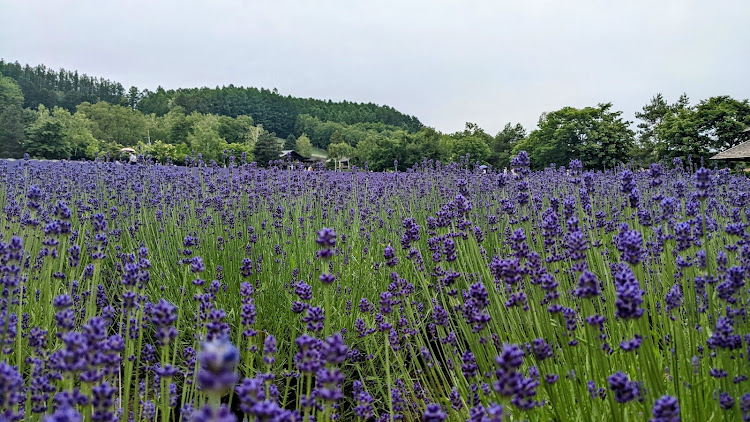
<point x="63" y="88"/>
<point x="277" y="113"/>
<point x="65" y="115"/>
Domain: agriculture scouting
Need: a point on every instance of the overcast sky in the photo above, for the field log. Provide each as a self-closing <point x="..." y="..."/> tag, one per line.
<point x="447" y="62"/>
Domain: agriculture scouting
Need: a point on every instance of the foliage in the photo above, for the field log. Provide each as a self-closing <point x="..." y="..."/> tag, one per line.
<point x="67" y="89"/>
<point x="160" y="151"/>
<point x="99" y="116"/>
<point x="427" y="144"/>
<point x="267" y="148"/>
<point x="204" y="137"/>
<point x="677" y="135"/>
<point x="278" y="113"/>
<point x="320" y="131"/>
<point x="290" y="142"/>
<point x="45" y="137"/>
<point x="239" y="149"/>
<point x="115" y="123"/>
<point x="133" y="97"/>
<point x="239" y="130"/>
<point x="158" y="103"/>
<point x="340" y="150"/>
<point x="473" y="147"/>
<point x="720" y="120"/>
<point x="10" y="93"/>
<point x="595" y="135"/>
<point x="13" y="118"/>
<point x="678" y="130"/>
<point x="651" y="145"/>
<point x="76" y="133"/>
<point x="13" y="123"/>
<point x="502" y="145"/>
<point x="303" y="146"/>
<point x="380" y="152"/>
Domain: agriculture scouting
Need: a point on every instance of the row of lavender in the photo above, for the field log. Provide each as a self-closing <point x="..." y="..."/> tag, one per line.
<point x="441" y="293"/>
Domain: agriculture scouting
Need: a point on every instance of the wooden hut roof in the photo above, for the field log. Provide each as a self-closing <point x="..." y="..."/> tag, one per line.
<point x="295" y="156"/>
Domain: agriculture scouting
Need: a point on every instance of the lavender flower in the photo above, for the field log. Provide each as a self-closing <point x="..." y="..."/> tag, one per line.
<point x="624" y="389"/>
<point x="433" y="413"/>
<point x="629" y="294"/>
<point x="327" y="241"/>
<point x="390" y="256"/>
<point x="666" y="409"/>
<point x="703" y="182"/>
<point x="163" y="316"/>
<point x="218" y="360"/>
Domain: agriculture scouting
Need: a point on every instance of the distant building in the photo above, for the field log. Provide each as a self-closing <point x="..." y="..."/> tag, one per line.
<point x="295" y="157"/>
<point x="740" y="152"/>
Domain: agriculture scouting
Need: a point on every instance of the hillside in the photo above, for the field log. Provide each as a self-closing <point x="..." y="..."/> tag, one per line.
<point x="277" y="113"/>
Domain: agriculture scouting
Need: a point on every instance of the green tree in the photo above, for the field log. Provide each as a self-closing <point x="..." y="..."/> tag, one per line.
<point x="473" y="146"/>
<point x="677" y="135"/>
<point x="237" y="130"/>
<point x="267" y="148"/>
<point x="303" y="146"/>
<point x="598" y="136"/>
<point x="204" y="138"/>
<point x="367" y="152"/>
<point x="13" y="123"/>
<point x="157" y="128"/>
<point x="13" y="118"/>
<point x="503" y="143"/>
<point x="161" y="151"/>
<point x="715" y="124"/>
<point x="114" y="123"/>
<point x="10" y="93"/>
<point x="76" y="133"/>
<point x="276" y="112"/>
<point x="178" y="124"/>
<point x="473" y="129"/>
<point x="425" y="144"/>
<point x="473" y="141"/>
<point x="45" y="137"/>
<point x="134" y="96"/>
<point x="336" y="138"/>
<point x="649" y="147"/>
<point x="340" y="150"/>
<point x="291" y="142"/>
<point x="721" y="120"/>
<point x="239" y="149"/>
<point x="158" y="102"/>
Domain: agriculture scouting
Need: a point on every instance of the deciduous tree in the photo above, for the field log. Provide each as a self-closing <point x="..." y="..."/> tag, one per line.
<point x="598" y="136"/>
<point x="13" y="123"/>
<point x="45" y="137"/>
<point x="503" y="143"/>
<point x="303" y="146"/>
<point x="204" y="138"/>
<point x="10" y="93"/>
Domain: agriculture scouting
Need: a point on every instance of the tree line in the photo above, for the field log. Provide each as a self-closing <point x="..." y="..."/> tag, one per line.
<point x="50" y="114"/>
<point x="277" y="113"/>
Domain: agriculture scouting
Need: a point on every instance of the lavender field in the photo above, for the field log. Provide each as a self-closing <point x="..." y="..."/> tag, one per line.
<point x="439" y="293"/>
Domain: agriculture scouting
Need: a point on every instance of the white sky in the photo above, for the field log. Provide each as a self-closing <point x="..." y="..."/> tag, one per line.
<point x="447" y="62"/>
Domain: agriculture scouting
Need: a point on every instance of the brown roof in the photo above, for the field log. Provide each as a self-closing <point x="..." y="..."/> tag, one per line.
<point x="739" y="152"/>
